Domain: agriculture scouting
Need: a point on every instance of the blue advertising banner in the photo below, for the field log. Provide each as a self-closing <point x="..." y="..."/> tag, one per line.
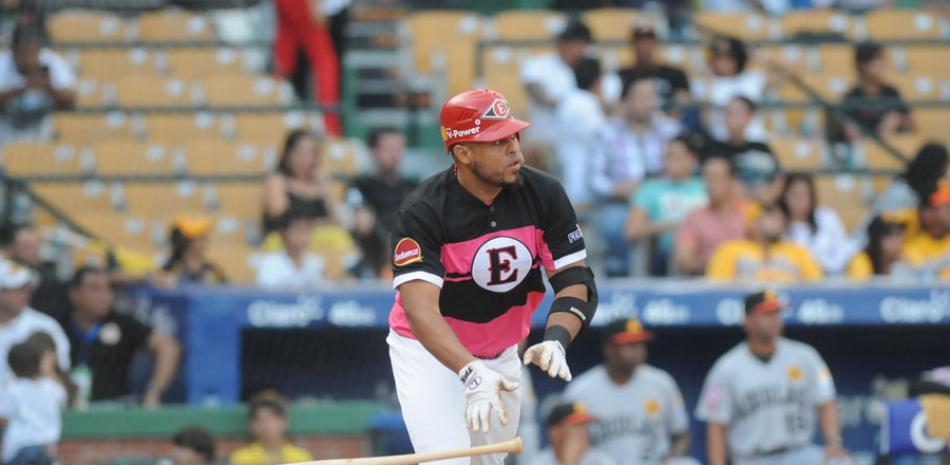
<point x="905" y="430"/>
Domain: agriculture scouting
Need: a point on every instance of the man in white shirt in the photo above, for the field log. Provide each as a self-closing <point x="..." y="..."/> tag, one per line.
<point x="293" y="267"/>
<point x="34" y="81"/>
<point x="18" y="321"/>
<point x="549" y="78"/>
<point x="580" y="120"/>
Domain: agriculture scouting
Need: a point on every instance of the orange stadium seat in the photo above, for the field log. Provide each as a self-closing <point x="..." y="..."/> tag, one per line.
<point x="180" y="128"/>
<point x="885" y="23"/>
<point x="528" y="24"/>
<point x="240" y="90"/>
<point x="200" y="63"/>
<point x="173" y="26"/>
<point x="29" y="158"/>
<point x="86" y="26"/>
<point x="846" y="194"/>
<point x="797" y="153"/>
<point x="108" y="64"/>
<point x="431" y="51"/>
<point x="209" y="157"/>
<point x="152" y="91"/>
<point x="617" y="23"/>
<point x="815" y="21"/>
<point x="134" y="158"/>
<point x="89" y="128"/>
<point x="746" y="26"/>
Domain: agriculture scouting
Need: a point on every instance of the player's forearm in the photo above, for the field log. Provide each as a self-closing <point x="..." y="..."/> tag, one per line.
<point x="830" y="423"/>
<point x="438" y="338"/>
<point x="716" y="444"/>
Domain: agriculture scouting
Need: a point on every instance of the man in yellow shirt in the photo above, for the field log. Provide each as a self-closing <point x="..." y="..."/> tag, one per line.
<point x="764" y="256"/>
<point x="268" y="422"/>
<point x="928" y="251"/>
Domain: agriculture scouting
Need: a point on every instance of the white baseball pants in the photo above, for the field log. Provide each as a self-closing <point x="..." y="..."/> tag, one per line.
<point x="433" y="401"/>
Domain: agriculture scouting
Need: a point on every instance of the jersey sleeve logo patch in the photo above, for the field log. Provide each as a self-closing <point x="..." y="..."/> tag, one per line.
<point x="575" y="235"/>
<point x="794" y="373"/>
<point x="651" y="406"/>
<point x="407" y="251"/>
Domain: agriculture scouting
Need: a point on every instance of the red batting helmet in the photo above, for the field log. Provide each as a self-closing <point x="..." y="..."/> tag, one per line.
<point x="477" y="115"/>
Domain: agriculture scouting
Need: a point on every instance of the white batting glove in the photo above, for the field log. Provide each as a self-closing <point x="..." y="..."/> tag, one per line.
<point x="550" y="357"/>
<point x="483" y="388"/>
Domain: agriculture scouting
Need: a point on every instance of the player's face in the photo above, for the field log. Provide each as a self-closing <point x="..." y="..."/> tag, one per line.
<point x="626" y="356"/>
<point x="267" y="426"/>
<point x="570" y="436"/>
<point x="765" y="326"/>
<point x="498" y="163"/>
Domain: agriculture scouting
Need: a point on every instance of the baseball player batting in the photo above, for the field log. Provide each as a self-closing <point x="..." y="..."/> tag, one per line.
<point x="762" y="399"/>
<point x="468" y="247"/>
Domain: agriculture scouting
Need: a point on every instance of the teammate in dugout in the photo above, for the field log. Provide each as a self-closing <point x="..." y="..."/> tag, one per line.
<point x="468" y="248"/>
<point x="762" y="399"/>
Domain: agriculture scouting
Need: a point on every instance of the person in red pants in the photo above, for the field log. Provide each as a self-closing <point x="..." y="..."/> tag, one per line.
<point x="300" y="25"/>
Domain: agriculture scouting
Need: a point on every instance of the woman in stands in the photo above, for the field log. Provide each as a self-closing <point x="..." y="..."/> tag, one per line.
<point x="818" y="229"/>
<point x="297" y="187"/>
<point x="730" y="77"/>
<point x="188" y="262"/>
<point x="883" y="251"/>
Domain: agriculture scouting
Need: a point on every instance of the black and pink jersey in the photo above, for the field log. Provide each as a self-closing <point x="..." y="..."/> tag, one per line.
<point x="485" y="257"/>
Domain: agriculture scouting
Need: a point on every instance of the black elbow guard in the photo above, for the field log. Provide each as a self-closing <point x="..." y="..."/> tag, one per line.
<point x="579" y="308"/>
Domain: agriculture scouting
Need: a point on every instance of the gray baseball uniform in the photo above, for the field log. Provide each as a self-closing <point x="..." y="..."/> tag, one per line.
<point x="633" y="422"/>
<point x="768" y="406"/>
<point x="591" y="457"/>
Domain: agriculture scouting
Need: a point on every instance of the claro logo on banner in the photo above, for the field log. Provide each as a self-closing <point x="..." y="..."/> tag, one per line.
<point x="934" y="309"/>
<point x="306" y="310"/>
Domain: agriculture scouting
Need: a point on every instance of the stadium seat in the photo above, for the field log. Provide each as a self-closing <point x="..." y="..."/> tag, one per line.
<point x="265" y="129"/>
<point x="837" y="60"/>
<point x="240" y="90"/>
<point x="846" y="194"/>
<point x="746" y="26"/>
<point x="243" y="200"/>
<point x="502" y="73"/>
<point x="918" y="86"/>
<point x="118" y="229"/>
<point x="928" y="60"/>
<point x="886" y="24"/>
<point x="152" y="91"/>
<point x="108" y="64"/>
<point x="210" y="157"/>
<point x="180" y="128"/>
<point x="432" y="53"/>
<point x="134" y="158"/>
<point x="932" y="123"/>
<point x="233" y="259"/>
<point x="86" y="26"/>
<point x="29" y="158"/>
<point x="90" y="128"/>
<point x="797" y="153"/>
<point x="617" y="23"/>
<point x="76" y="199"/>
<point x="200" y="63"/>
<point x="877" y="157"/>
<point x="817" y="21"/>
<point x="527" y="24"/>
<point x="340" y="157"/>
<point x="164" y="201"/>
<point x="173" y="26"/>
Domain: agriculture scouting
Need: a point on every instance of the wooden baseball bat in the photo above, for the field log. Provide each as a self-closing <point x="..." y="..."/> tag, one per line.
<point x="511" y="446"/>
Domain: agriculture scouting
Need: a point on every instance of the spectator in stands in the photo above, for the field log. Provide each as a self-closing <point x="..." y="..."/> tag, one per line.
<point x="21" y="243"/>
<point x="377" y="196"/>
<point x="31" y="406"/>
<point x="193" y="445"/>
<point x="671" y="82"/>
<point x="765" y="255"/>
<point x="661" y="204"/>
<point x="18" y="321"/>
<point x="580" y="121"/>
<point x="298" y="187"/>
<point x="268" y="422"/>
<point x="817" y="228"/>
<point x="758" y="168"/>
<point x="567" y="425"/>
<point x="188" y="262"/>
<point x="104" y="341"/>
<point x="730" y="78"/>
<point x="881" y="255"/>
<point x="931" y="164"/>
<point x="302" y="27"/>
<point x="293" y="267"/>
<point x="34" y="81"/>
<point x="549" y="78"/>
<point x="873" y="106"/>
<point x="719" y="221"/>
<point x="928" y="251"/>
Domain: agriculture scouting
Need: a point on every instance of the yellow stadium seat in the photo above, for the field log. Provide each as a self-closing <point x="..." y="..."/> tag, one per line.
<point x="86" y="26"/>
<point x="75" y="199"/>
<point x="243" y="200"/>
<point x="86" y="128"/>
<point x="837" y="60"/>
<point x="814" y="21"/>
<point x="340" y="157"/>
<point x="42" y="158"/>
<point x="502" y="73"/>
<point x="164" y="201"/>
<point x="209" y="157"/>
<point x="878" y="157"/>
<point x="431" y="51"/>
<point x="118" y="229"/>
<point x="200" y="63"/>
<point x="885" y="23"/>
<point x="180" y="128"/>
<point x="928" y="60"/>
<point x="267" y="129"/>
<point x="173" y="26"/>
<point x="109" y="64"/>
<point x="134" y="158"/>
<point x="932" y="123"/>
<point x="846" y="195"/>
<point x="152" y="91"/>
<point x="240" y="90"/>
<point x="617" y="23"/>
<point x="233" y="259"/>
<point x="797" y="154"/>
<point x="919" y="87"/>
<point x="746" y="26"/>
<point x="528" y="24"/>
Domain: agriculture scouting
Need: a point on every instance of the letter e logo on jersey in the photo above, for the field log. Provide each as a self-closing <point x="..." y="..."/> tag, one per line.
<point x="497" y="110"/>
<point x="500" y="264"/>
<point x="407" y="251"/>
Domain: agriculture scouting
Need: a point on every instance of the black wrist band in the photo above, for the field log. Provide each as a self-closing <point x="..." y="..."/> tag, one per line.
<point x="558" y="333"/>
